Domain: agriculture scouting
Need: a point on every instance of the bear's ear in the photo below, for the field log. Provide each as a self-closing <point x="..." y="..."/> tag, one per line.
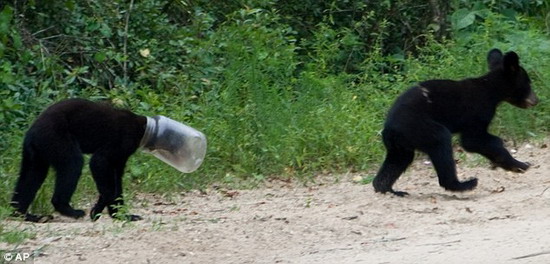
<point x="511" y="62"/>
<point x="494" y="59"/>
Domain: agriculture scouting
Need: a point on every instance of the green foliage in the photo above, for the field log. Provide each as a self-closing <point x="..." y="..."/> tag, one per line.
<point x="469" y="13"/>
<point x="14" y="235"/>
<point x="280" y="88"/>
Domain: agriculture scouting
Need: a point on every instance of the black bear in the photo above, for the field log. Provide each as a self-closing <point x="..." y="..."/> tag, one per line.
<point x="59" y="137"/>
<point x="425" y="117"/>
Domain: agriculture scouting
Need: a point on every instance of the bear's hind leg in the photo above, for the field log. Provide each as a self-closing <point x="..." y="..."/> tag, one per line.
<point x="33" y="173"/>
<point x="396" y="162"/>
<point x="67" y="162"/>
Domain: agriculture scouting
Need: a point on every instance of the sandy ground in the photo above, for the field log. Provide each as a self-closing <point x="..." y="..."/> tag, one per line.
<point x="505" y="220"/>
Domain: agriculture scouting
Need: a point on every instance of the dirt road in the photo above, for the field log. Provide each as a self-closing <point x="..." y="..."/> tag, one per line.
<point x="505" y="220"/>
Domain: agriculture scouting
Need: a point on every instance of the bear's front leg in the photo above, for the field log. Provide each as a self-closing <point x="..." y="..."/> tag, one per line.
<point x="445" y="166"/>
<point x="107" y="173"/>
<point x="492" y="148"/>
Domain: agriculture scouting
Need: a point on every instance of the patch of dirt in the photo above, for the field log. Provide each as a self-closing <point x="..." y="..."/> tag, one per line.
<point x="505" y="220"/>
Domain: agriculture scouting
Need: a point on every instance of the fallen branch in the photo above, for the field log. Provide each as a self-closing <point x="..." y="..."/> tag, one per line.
<point x="533" y="255"/>
<point x="442" y="243"/>
<point x="390" y="239"/>
<point x="544" y="191"/>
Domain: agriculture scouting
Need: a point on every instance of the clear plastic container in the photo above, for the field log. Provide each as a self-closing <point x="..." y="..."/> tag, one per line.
<point x="181" y="146"/>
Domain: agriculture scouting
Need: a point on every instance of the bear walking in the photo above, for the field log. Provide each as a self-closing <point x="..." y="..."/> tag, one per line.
<point x="425" y="117"/>
<point x="59" y="137"/>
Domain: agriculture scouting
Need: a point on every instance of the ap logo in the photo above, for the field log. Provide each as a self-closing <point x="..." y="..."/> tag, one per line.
<point x="8" y="256"/>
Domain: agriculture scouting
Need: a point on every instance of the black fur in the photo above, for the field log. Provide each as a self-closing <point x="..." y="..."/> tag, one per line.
<point x="425" y="117"/>
<point x="59" y="138"/>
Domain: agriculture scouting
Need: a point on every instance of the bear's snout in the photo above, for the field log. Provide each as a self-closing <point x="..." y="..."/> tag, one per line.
<point x="531" y="100"/>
